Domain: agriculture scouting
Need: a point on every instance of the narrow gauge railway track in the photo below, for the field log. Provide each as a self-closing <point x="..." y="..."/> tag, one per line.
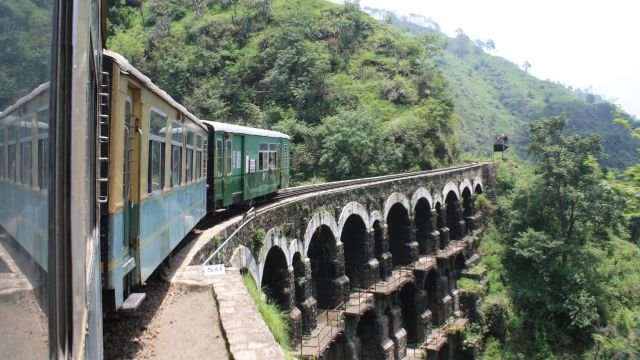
<point x="308" y="189"/>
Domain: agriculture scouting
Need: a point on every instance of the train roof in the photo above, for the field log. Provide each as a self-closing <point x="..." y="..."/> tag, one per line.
<point x="239" y="129"/>
<point x="125" y="66"/>
<point x="35" y="92"/>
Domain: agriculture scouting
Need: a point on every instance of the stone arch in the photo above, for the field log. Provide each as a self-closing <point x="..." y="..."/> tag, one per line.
<point x="422" y="220"/>
<point x="421" y="193"/>
<point x="466" y="184"/>
<point x="242" y="258"/>
<point x="404" y="249"/>
<point x="299" y="273"/>
<point x="360" y="268"/>
<point x="375" y="216"/>
<point x="468" y="209"/>
<point x="353" y="208"/>
<point x="370" y="336"/>
<point x="393" y="199"/>
<point x="477" y="185"/>
<point x="449" y="188"/>
<point x="295" y="246"/>
<point x="431" y="286"/>
<point x="275" y="278"/>
<point x="409" y="311"/>
<point x="273" y="238"/>
<point x="441" y="223"/>
<point x="330" y="286"/>
<point x="319" y="219"/>
<point x="454" y="215"/>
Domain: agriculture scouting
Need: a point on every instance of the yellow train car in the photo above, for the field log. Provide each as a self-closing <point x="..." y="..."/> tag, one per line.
<point x="156" y="179"/>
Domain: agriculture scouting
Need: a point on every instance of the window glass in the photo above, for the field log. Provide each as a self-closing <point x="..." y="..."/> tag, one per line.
<point x="228" y="153"/>
<point x="198" y="165"/>
<point x="156" y="166"/>
<point x="176" y="165"/>
<point x="2" y="161"/>
<point x="25" y="160"/>
<point x="158" y="124"/>
<point x="219" y="158"/>
<point x="189" y="165"/>
<point x="43" y="148"/>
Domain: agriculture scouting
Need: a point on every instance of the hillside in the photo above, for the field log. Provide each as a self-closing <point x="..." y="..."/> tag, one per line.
<point x="493" y="96"/>
<point x="357" y="96"/>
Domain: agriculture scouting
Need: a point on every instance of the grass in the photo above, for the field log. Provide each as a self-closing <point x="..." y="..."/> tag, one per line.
<point x="276" y="319"/>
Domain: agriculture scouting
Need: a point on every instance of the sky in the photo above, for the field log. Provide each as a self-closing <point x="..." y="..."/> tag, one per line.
<point x="584" y="44"/>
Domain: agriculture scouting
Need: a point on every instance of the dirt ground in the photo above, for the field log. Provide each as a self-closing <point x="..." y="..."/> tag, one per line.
<point x="173" y="322"/>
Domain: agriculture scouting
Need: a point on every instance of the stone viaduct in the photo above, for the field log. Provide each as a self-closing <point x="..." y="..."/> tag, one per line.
<point x="403" y="241"/>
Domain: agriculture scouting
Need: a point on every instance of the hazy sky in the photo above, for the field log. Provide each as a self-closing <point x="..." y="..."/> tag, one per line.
<point x="579" y="43"/>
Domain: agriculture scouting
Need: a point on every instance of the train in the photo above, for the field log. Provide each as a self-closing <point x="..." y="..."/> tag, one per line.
<point x="164" y="177"/>
<point x="102" y="174"/>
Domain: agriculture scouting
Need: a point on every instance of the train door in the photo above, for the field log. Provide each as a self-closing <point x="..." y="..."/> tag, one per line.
<point x="130" y="192"/>
<point x="218" y="175"/>
<point x="228" y="171"/>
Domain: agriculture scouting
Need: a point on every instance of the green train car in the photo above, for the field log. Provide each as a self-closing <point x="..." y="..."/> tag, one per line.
<point x="244" y="164"/>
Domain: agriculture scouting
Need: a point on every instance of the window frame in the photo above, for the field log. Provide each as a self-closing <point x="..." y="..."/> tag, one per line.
<point x="160" y="142"/>
<point x="228" y="156"/>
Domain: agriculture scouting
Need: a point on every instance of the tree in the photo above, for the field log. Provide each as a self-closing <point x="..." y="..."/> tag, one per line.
<point x="567" y="209"/>
<point x="526" y="66"/>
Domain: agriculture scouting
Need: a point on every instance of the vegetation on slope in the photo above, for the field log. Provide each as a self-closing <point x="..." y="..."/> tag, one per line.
<point x="358" y="97"/>
<point x="562" y="269"/>
<point x="494" y="96"/>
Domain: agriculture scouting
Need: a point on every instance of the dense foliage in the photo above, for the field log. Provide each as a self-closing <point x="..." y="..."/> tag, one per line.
<point x="25" y="42"/>
<point x="561" y="267"/>
<point x="358" y="97"/>
<point x="493" y="96"/>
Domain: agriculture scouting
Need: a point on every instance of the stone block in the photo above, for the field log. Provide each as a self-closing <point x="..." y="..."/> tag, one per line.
<point x="309" y="314"/>
<point x="385" y="264"/>
<point x="370" y="273"/>
<point x="295" y="326"/>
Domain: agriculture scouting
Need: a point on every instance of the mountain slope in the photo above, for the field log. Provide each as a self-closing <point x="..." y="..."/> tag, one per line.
<point x="357" y="96"/>
<point x="494" y="96"/>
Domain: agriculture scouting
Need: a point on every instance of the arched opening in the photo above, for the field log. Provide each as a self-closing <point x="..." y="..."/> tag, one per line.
<point x="468" y="209"/>
<point x="478" y="189"/>
<point x="354" y="238"/>
<point x="322" y="254"/>
<point x="409" y="313"/>
<point x="399" y="235"/>
<point x="299" y="278"/>
<point x="460" y="264"/>
<point x="379" y="249"/>
<point x="442" y="225"/>
<point x="369" y="336"/>
<point x="275" y="278"/>
<point x="431" y="285"/>
<point x="423" y="226"/>
<point x="453" y="216"/>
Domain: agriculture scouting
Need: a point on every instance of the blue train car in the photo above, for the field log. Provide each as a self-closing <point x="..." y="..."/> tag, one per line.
<point x="157" y="178"/>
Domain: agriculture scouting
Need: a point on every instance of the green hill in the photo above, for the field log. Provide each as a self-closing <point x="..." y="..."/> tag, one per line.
<point x="493" y="96"/>
<point x="358" y="97"/>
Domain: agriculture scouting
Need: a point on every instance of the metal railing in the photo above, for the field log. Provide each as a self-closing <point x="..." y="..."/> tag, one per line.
<point x="246" y="219"/>
<point x="321" y="338"/>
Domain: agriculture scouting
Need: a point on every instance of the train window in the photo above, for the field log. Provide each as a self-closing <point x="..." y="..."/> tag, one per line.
<point x="157" y="139"/>
<point x="198" y="164"/>
<point x="11" y="153"/>
<point x="273" y="158"/>
<point x="219" y="158"/>
<point x="228" y="153"/>
<point x="25" y="152"/>
<point x="285" y="156"/>
<point x="263" y="156"/>
<point x="177" y="134"/>
<point x="2" y="162"/>
<point x="25" y="159"/>
<point x="43" y="148"/>
<point x="176" y="165"/>
<point x="189" y="165"/>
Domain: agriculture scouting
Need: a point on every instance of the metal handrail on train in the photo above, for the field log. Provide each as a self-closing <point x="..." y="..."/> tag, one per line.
<point x="224" y="243"/>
